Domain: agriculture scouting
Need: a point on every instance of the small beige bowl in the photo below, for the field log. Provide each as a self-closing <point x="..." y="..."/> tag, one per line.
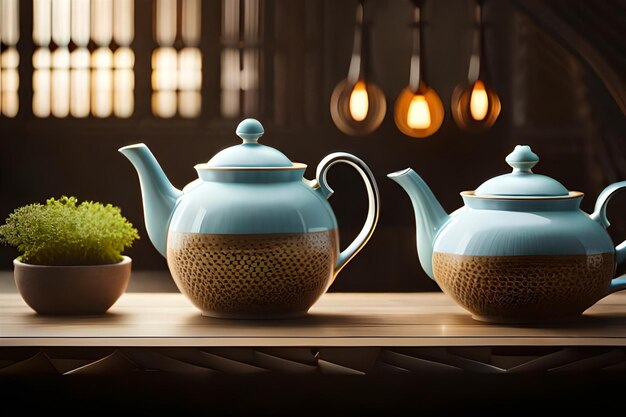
<point x="72" y="290"/>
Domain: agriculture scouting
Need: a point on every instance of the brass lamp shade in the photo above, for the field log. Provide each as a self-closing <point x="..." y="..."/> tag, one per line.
<point x="474" y="113"/>
<point x="418" y="114"/>
<point x="372" y="111"/>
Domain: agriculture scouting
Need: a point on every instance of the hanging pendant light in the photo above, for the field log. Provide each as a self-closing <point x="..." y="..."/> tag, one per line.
<point x="357" y="105"/>
<point x="475" y="106"/>
<point x="418" y="109"/>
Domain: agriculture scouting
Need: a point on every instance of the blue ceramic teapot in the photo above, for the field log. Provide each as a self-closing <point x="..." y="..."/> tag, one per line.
<point x="250" y="238"/>
<point x="520" y="249"/>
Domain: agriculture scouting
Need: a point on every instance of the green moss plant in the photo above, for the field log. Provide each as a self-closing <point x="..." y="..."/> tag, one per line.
<point x="64" y="232"/>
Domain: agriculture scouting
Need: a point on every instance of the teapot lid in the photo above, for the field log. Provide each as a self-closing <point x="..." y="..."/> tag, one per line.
<point x="250" y="153"/>
<point x="522" y="182"/>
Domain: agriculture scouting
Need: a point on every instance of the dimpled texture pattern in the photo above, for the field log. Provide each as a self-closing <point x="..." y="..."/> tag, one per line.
<point x="524" y="288"/>
<point x="253" y="276"/>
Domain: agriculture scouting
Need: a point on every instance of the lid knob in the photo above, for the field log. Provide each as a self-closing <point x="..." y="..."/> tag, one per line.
<point x="522" y="182"/>
<point x="522" y="159"/>
<point x="250" y="130"/>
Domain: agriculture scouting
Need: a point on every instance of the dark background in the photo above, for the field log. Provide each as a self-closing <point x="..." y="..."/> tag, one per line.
<point x="316" y="395"/>
<point x="558" y="67"/>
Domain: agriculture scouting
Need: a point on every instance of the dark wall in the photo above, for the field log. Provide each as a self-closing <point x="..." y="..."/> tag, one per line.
<point x="43" y="158"/>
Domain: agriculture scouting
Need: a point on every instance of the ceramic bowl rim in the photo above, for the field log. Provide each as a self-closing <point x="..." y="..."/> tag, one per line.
<point x="125" y="261"/>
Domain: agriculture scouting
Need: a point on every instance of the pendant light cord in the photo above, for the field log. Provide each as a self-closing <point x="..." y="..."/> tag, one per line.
<point x="474" y="64"/>
<point x="359" y="58"/>
<point x="416" y="63"/>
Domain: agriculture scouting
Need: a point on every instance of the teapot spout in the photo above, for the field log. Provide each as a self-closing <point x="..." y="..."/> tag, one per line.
<point x="430" y="217"/>
<point x="158" y="194"/>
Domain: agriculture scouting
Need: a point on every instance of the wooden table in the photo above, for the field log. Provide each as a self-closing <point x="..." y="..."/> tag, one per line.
<point x="344" y="333"/>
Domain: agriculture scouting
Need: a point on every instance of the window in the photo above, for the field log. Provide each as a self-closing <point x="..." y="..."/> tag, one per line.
<point x="84" y="56"/>
<point x="240" y="59"/>
<point x="9" y="57"/>
<point x="177" y="72"/>
<point x="73" y="76"/>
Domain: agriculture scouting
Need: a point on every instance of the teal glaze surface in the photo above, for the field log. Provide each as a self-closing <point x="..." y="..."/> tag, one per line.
<point x="256" y="176"/>
<point x="247" y="189"/>
<point x="159" y="196"/>
<point x="253" y="208"/>
<point x="250" y="129"/>
<point x="522" y="181"/>
<point x="521" y="184"/>
<point x="250" y="153"/>
<point x="522" y="205"/>
<point x="478" y="232"/>
<point x="520" y="214"/>
<point x="430" y="217"/>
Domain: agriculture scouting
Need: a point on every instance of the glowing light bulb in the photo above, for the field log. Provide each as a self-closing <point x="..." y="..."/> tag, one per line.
<point x="479" y="102"/>
<point x="359" y="102"/>
<point x="418" y="116"/>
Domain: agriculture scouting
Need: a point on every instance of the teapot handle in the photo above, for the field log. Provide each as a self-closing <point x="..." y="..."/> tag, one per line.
<point x="372" y="194"/>
<point x="599" y="215"/>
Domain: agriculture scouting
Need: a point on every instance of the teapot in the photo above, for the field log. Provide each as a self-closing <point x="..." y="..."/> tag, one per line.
<point x="520" y="249"/>
<point x="250" y="237"/>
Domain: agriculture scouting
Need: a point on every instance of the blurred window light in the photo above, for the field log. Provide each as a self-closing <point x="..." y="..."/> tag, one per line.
<point x="42" y="58"/>
<point x="177" y="72"/>
<point x="9" y="58"/>
<point x="102" y="82"/>
<point x="60" y="83"/>
<point x="79" y="82"/>
<point x="240" y="58"/>
<point x="81" y="12"/>
<point x="123" y="22"/>
<point x="92" y="78"/>
<point x="61" y="26"/>
<point x="101" y="22"/>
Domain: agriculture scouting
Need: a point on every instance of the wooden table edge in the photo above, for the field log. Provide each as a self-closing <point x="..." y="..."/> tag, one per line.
<point x="387" y="342"/>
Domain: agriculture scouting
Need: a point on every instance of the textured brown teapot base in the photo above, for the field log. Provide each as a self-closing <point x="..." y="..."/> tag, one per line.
<point x="253" y="276"/>
<point x="524" y="288"/>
